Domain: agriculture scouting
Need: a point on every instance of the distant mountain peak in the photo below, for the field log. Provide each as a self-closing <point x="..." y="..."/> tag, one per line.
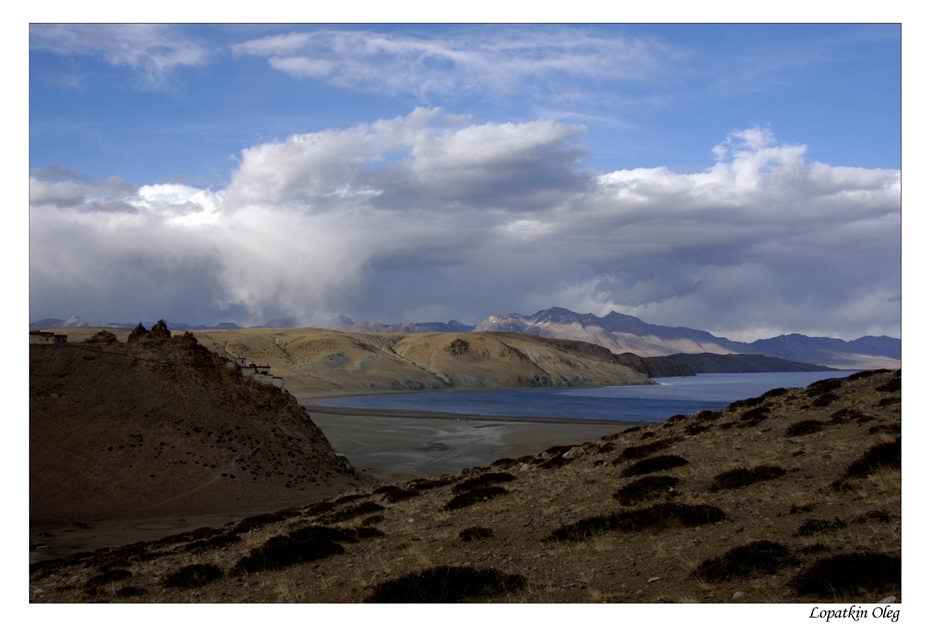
<point x="624" y="333"/>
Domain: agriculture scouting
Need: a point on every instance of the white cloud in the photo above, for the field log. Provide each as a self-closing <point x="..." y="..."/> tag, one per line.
<point x="454" y="61"/>
<point x="429" y="212"/>
<point x="154" y="51"/>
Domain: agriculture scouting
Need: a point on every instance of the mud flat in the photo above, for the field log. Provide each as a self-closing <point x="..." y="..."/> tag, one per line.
<point x="394" y="445"/>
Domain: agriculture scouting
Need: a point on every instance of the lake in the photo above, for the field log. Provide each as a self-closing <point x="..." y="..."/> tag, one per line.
<point x="653" y="403"/>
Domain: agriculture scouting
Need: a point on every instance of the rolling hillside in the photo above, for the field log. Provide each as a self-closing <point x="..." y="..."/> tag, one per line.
<point x="794" y="496"/>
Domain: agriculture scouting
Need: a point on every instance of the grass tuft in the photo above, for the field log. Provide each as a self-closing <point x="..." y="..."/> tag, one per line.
<point x="661" y="516"/>
<point x="849" y="574"/>
<point x="886" y="455"/>
<point x="447" y="584"/>
<point x="469" y="498"/>
<point x="193" y="576"/>
<point x="646" y="488"/>
<point x="654" y="464"/>
<point x="352" y="512"/>
<point x="473" y="534"/>
<point x="815" y="526"/>
<point x="752" y="559"/>
<point x="741" y="477"/>
<point x="483" y="480"/>
<point x="804" y="427"/>
<point x="643" y="450"/>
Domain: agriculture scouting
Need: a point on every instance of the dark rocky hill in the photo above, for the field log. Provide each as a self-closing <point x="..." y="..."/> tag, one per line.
<point x="162" y="426"/>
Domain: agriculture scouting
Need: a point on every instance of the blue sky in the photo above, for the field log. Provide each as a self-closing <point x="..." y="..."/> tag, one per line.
<point x="589" y="121"/>
<point x="835" y="88"/>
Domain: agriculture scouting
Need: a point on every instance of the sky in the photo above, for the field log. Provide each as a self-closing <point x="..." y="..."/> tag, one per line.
<point x="743" y="179"/>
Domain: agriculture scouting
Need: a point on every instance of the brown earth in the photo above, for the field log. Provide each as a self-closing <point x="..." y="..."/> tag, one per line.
<point x="791" y="497"/>
<point x="161" y="427"/>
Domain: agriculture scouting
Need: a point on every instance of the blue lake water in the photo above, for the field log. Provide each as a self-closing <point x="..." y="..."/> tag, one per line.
<point x="669" y="396"/>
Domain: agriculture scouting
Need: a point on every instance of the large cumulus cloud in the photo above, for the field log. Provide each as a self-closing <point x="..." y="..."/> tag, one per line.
<point x="428" y="216"/>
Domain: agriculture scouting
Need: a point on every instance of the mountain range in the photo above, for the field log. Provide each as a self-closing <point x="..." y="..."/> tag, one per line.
<point x="623" y="333"/>
<point x="620" y="333"/>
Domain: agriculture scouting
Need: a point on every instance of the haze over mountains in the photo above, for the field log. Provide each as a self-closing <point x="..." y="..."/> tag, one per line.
<point x="617" y="332"/>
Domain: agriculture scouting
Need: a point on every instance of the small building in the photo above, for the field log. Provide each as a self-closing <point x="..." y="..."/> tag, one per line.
<point x="240" y="361"/>
<point x="43" y="337"/>
<point x="263" y="369"/>
<point x="278" y="382"/>
<point x="247" y="371"/>
<point x="263" y="378"/>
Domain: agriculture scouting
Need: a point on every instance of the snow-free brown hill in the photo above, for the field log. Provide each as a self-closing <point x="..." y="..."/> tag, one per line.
<point x="321" y="361"/>
<point x="162" y="426"/>
<point x="794" y="496"/>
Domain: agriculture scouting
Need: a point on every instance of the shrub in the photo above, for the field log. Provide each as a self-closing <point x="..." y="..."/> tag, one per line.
<point x="483" y="480"/>
<point x="220" y="541"/>
<point x="556" y="461"/>
<point x="824" y="399"/>
<point x="741" y="477"/>
<point x="348" y="498"/>
<point x="306" y="544"/>
<point x="472" y="534"/>
<point x="814" y="527"/>
<point x="447" y="584"/>
<point x="877" y="515"/>
<point x="352" y="512"/>
<point x="775" y="392"/>
<point x="642" y="450"/>
<point x="372" y="520"/>
<point x="744" y="403"/>
<point x="193" y="576"/>
<point x="804" y="427"/>
<point x="836" y="576"/>
<point x="809" y="507"/>
<point x="466" y="499"/>
<point x="695" y="429"/>
<point x="110" y="576"/>
<point x="708" y="415"/>
<point x="676" y="418"/>
<point x="130" y="591"/>
<point x="886" y="455"/>
<point x="885" y="402"/>
<point x="892" y="385"/>
<point x="644" y="488"/>
<point x="261" y="520"/>
<point x="421" y="485"/>
<point x="396" y="494"/>
<point x="892" y="429"/>
<point x="756" y="414"/>
<point x="506" y="462"/>
<point x="845" y="415"/>
<point x="654" y="464"/>
<point x="823" y="386"/>
<point x="866" y="373"/>
<point x="661" y="516"/>
<point x="760" y="557"/>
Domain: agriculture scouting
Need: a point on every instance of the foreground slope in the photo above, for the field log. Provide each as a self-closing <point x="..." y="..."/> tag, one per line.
<point x="163" y="427"/>
<point x="790" y="497"/>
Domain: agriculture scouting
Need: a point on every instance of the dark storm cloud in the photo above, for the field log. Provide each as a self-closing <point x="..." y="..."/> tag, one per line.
<point x="426" y="217"/>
